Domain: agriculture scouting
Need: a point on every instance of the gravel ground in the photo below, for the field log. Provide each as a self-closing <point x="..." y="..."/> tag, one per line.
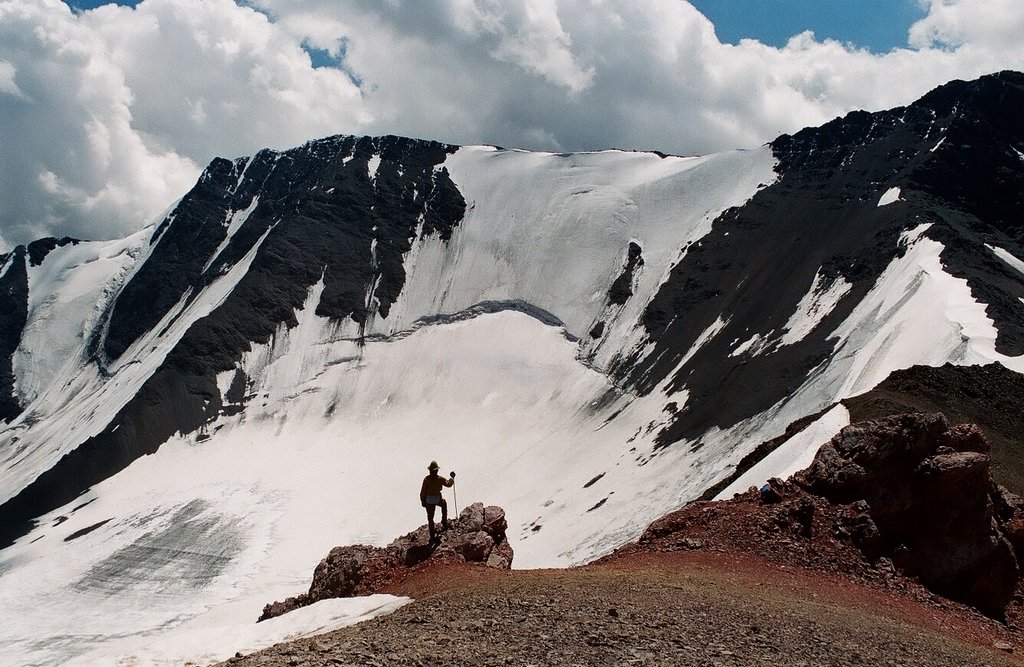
<point x="670" y="609"/>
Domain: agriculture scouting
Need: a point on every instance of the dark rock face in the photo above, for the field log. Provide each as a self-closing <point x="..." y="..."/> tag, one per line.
<point x="928" y="489"/>
<point x="821" y="218"/>
<point x="989" y="396"/>
<point x="622" y="288"/>
<point x="324" y="215"/>
<point x="13" y="317"/>
<point x="39" y="249"/>
<point x="477" y="536"/>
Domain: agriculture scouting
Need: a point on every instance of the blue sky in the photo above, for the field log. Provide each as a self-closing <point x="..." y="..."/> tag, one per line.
<point x="879" y="25"/>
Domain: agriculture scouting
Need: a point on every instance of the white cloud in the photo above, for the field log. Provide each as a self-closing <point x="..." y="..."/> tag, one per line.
<point x="528" y="34"/>
<point x="116" y="110"/>
<point x="985" y="24"/>
<point x="110" y="113"/>
<point x="8" y="85"/>
<point x="209" y="77"/>
<point x="72" y="162"/>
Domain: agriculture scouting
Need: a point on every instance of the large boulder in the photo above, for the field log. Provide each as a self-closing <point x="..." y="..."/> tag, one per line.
<point x="928" y="489"/>
<point x="476" y="536"/>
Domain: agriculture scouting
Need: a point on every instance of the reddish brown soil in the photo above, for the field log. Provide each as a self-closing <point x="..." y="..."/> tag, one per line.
<point x="675" y="608"/>
<point x="908" y="603"/>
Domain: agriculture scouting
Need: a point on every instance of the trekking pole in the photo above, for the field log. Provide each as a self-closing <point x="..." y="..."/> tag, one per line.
<point x="455" y="495"/>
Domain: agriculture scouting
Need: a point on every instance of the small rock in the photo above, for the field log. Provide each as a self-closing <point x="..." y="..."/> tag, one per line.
<point x="1003" y="646"/>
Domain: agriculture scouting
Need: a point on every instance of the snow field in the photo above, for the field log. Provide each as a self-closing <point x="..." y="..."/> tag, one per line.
<point x="553" y="230"/>
<point x="271" y="491"/>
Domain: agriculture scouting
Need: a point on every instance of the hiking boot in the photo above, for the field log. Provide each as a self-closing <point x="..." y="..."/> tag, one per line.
<point x="444" y="525"/>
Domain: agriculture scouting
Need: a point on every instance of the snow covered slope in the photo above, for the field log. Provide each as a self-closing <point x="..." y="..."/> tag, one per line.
<point x="196" y="414"/>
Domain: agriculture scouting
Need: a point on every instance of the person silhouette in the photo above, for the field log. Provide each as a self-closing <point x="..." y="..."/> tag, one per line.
<point x="430" y="497"/>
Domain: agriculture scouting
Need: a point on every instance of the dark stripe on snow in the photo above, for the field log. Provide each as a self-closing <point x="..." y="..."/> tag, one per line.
<point x="13" y="317"/>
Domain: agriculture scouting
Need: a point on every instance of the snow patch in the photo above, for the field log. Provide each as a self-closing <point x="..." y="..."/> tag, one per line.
<point x="713" y="330"/>
<point x="372" y="165"/>
<point x="1007" y="257"/>
<point x="209" y="642"/>
<point x="241" y="175"/>
<point x="224" y="381"/>
<point x="234" y="222"/>
<point x="814" y="307"/>
<point x="752" y="346"/>
<point x="891" y="195"/>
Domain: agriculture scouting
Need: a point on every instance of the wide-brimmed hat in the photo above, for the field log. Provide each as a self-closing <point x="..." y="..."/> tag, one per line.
<point x="433" y="466"/>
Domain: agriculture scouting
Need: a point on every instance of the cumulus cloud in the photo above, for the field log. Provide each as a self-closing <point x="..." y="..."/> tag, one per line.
<point x="109" y="114"/>
<point x="647" y="74"/>
<point x="983" y="24"/>
<point x="70" y="156"/>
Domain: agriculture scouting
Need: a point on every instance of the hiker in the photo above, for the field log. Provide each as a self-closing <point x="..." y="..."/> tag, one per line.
<point x="430" y="496"/>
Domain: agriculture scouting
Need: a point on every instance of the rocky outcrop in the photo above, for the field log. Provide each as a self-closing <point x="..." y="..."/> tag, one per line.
<point x="476" y="536"/>
<point x="929" y="491"/>
<point x="788" y="527"/>
<point x="885" y="501"/>
<point x="989" y="396"/>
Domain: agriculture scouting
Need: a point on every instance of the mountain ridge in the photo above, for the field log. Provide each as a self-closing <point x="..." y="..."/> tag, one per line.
<point x="639" y="320"/>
